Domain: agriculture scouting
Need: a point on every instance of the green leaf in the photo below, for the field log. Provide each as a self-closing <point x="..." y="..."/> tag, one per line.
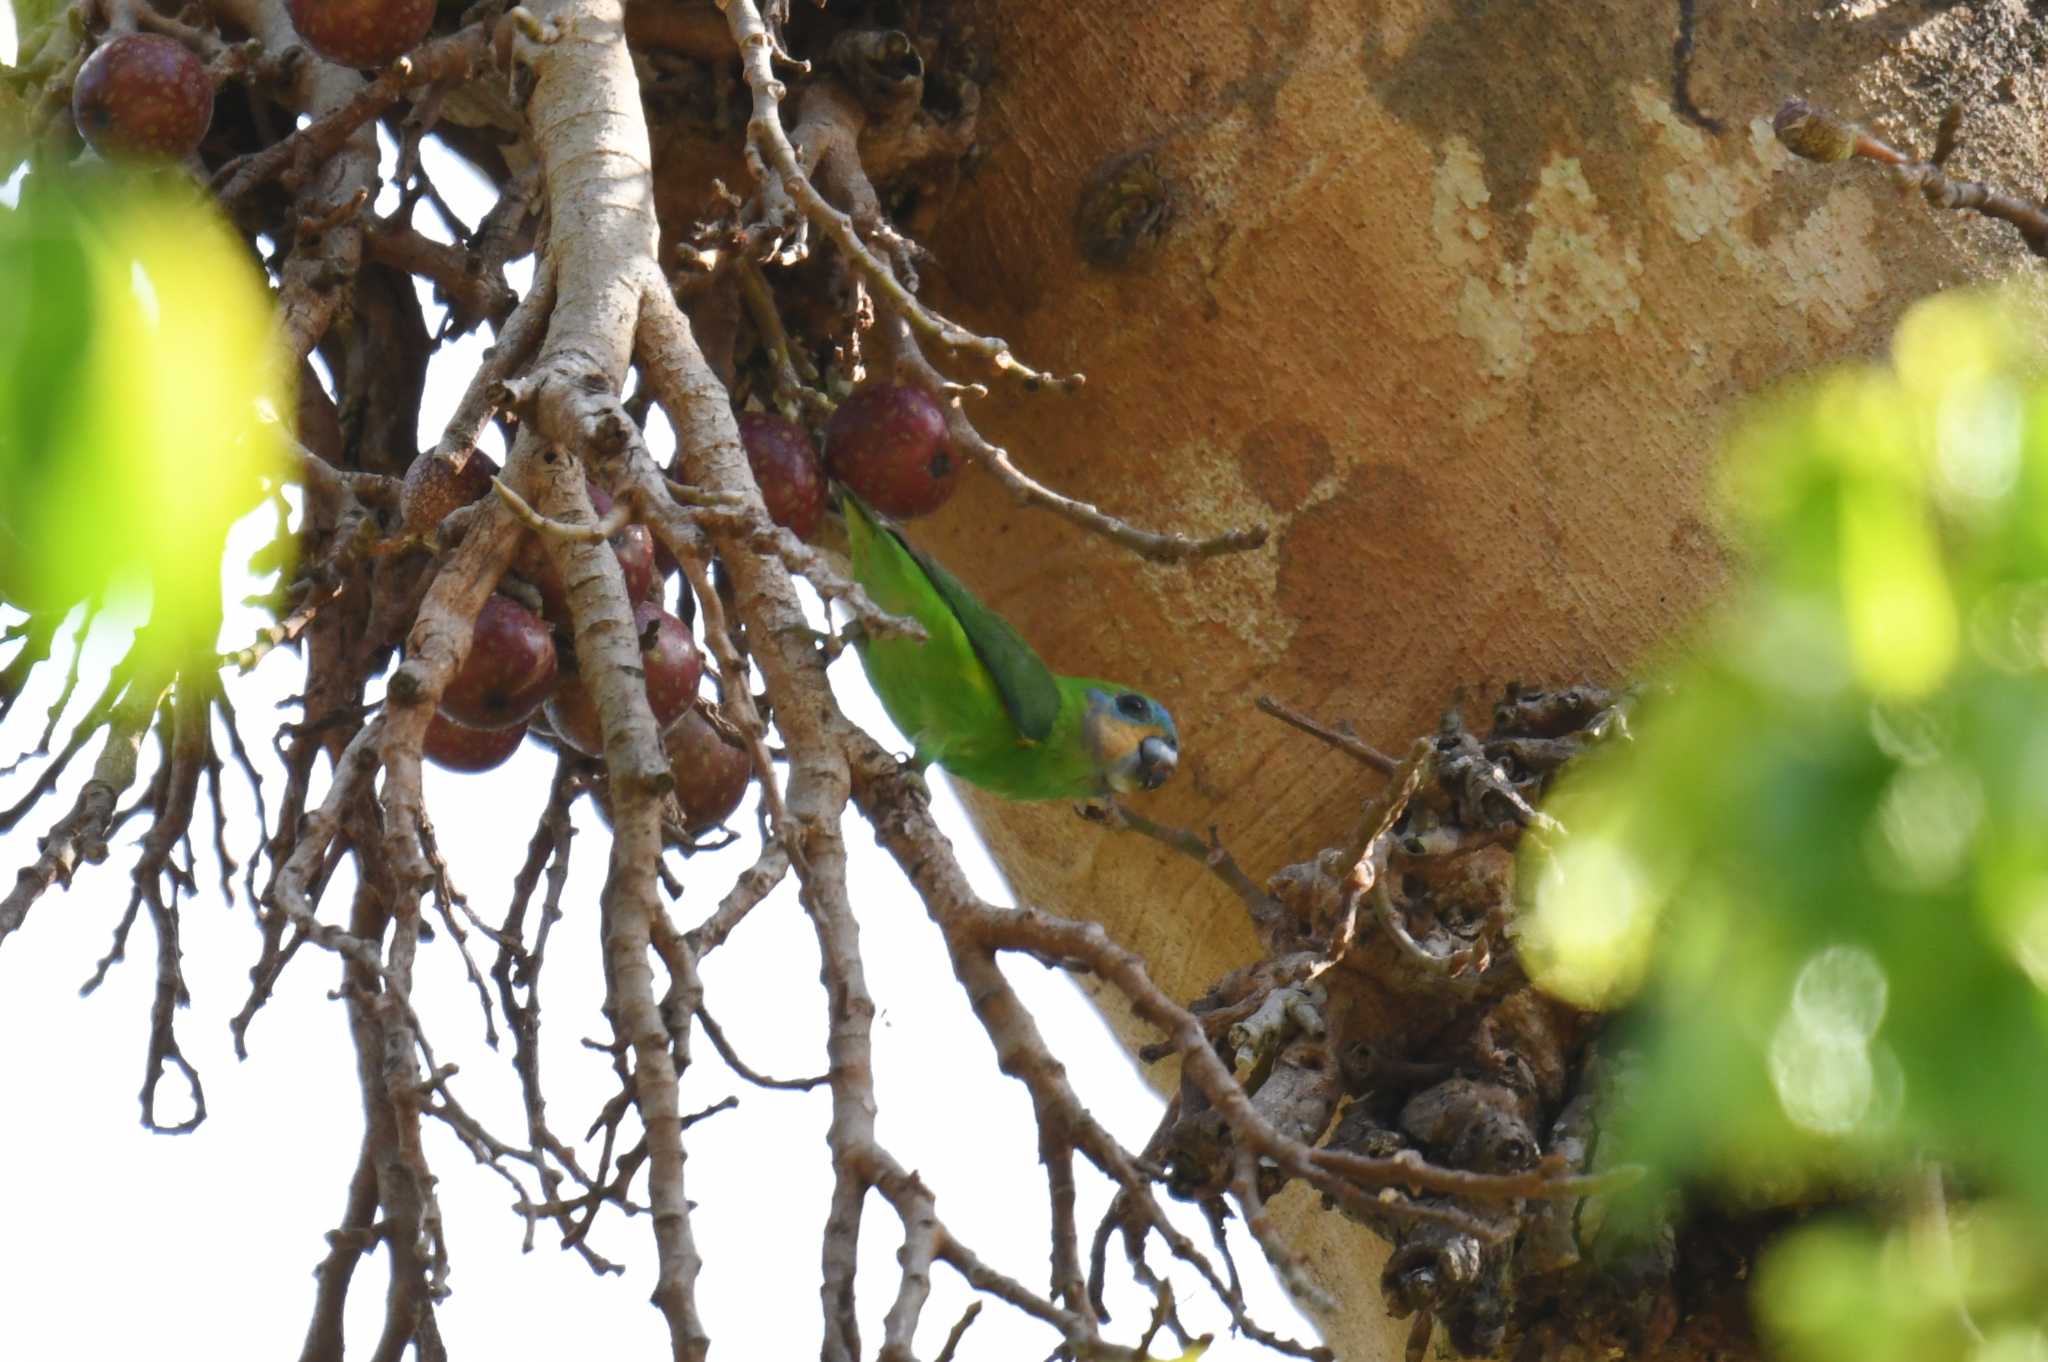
<point x="30" y="16"/>
<point x="1838" y="1289"/>
<point x="140" y="383"/>
<point x="1818" y="877"/>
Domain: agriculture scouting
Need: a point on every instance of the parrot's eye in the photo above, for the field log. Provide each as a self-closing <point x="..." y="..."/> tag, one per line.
<point x="1133" y="707"/>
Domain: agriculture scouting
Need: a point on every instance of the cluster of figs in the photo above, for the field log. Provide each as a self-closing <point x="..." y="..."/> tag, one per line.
<point x="146" y="96"/>
<point x="887" y="442"/>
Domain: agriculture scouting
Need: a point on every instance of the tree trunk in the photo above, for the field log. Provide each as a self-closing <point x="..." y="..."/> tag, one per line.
<point x="1455" y="296"/>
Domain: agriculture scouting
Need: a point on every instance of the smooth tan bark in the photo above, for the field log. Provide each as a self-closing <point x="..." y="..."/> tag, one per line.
<point x="1453" y="296"/>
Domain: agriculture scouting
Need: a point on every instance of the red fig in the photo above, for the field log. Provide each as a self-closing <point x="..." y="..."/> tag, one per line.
<point x="786" y="466"/>
<point x="711" y="774"/>
<point x="461" y="748"/>
<point x="509" y="671"/>
<point x="434" y="486"/>
<point x="362" y="33"/>
<point x="633" y="546"/>
<point x="672" y="667"/>
<point x="143" y="94"/>
<point x="889" y="444"/>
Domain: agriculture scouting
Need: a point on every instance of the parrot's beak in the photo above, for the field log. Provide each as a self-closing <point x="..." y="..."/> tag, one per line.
<point x="1156" y="759"/>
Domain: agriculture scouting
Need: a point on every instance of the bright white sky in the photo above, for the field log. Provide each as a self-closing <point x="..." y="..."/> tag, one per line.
<point x="202" y="1247"/>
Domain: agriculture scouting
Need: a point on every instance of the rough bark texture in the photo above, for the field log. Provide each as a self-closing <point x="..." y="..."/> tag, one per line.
<point x="1456" y="295"/>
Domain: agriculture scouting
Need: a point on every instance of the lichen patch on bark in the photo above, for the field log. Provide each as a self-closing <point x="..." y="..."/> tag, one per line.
<point x="1570" y="269"/>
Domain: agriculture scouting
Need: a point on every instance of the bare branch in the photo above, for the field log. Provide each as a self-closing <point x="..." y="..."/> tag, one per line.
<point x="81" y="834"/>
<point x="716" y="1035"/>
<point x="1341" y="737"/>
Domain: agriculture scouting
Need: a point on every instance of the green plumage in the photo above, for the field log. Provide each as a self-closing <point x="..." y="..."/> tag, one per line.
<point x="975" y="699"/>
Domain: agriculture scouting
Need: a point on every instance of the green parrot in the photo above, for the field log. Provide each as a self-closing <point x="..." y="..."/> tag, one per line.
<point x="975" y="699"/>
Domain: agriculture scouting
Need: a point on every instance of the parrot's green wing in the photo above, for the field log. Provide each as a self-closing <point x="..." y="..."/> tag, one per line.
<point x="1027" y="686"/>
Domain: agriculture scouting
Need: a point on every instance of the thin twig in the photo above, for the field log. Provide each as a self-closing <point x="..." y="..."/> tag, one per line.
<point x="1340" y="738"/>
<point x="1266" y="911"/>
<point x="716" y="1035"/>
<point x="959" y="1331"/>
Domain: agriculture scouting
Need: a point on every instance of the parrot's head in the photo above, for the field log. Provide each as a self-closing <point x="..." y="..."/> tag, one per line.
<point x="1132" y="738"/>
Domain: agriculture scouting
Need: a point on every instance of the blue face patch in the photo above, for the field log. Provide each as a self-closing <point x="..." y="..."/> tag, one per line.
<point x="1132" y="737"/>
<point x="1134" y="708"/>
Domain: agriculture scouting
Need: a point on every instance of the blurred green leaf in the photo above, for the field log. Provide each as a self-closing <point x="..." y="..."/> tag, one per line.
<point x="136" y="371"/>
<point x="1818" y="877"/>
<point x="13" y="127"/>
<point x="1836" y="1289"/>
<point x="30" y="16"/>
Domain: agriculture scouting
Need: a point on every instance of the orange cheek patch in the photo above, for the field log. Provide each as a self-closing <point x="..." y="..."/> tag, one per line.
<point x="1114" y="741"/>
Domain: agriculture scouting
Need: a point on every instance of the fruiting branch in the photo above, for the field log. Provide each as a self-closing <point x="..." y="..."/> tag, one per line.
<point x="833" y="122"/>
<point x="900" y="348"/>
